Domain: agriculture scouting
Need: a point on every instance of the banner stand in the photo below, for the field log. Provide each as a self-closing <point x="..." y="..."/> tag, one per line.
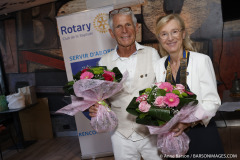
<point x="102" y="145"/>
<point x="85" y="39"/>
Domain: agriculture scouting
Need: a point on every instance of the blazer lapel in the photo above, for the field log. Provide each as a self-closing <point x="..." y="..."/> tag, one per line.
<point x="189" y="71"/>
<point x="163" y="71"/>
<point x="163" y="76"/>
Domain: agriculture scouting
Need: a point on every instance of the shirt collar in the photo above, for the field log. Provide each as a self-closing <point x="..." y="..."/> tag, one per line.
<point x="116" y="56"/>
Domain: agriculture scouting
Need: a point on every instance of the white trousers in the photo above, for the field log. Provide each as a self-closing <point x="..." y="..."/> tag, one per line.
<point x="125" y="149"/>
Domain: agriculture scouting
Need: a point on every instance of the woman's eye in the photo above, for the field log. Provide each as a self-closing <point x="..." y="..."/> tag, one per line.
<point x="164" y="34"/>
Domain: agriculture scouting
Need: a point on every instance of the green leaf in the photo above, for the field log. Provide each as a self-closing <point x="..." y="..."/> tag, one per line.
<point x="160" y="123"/>
<point x="147" y="121"/>
<point x="97" y="70"/>
<point x="118" y="74"/>
<point x="70" y="83"/>
<point x="193" y="96"/>
<point x="184" y="94"/>
<point x="141" y="92"/>
<point x="176" y="92"/>
<point x="160" y="92"/>
<point x="160" y="114"/>
<point x="142" y="115"/>
<point x="131" y="108"/>
<point x="77" y="76"/>
<point x="151" y="95"/>
<point x="148" y="90"/>
<point x="104" y="67"/>
<point x="150" y="98"/>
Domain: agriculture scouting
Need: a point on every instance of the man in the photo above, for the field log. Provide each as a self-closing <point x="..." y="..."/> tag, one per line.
<point x="130" y="140"/>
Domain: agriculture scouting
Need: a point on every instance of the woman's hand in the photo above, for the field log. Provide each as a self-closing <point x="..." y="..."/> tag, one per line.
<point x="179" y="128"/>
<point x="93" y="110"/>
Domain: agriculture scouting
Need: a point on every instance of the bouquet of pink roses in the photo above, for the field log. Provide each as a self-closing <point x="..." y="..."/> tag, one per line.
<point x="94" y="85"/>
<point x="161" y="107"/>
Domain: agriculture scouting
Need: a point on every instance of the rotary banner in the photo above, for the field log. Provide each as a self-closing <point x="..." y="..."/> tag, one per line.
<point x="85" y="39"/>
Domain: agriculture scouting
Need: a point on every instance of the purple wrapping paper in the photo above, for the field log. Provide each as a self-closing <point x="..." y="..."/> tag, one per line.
<point x="166" y="142"/>
<point x="89" y="92"/>
<point x="106" y="120"/>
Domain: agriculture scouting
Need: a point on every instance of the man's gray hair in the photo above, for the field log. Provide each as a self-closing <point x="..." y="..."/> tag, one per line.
<point x="110" y="20"/>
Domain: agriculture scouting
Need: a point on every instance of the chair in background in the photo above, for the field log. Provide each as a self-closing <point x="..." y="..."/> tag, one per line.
<point x="6" y="133"/>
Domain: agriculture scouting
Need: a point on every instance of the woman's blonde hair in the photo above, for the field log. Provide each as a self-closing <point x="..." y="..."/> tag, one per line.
<point x="162" y="21"/>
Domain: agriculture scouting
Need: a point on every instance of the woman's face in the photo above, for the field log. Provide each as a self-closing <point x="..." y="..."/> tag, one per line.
<point x="171" y="37"/>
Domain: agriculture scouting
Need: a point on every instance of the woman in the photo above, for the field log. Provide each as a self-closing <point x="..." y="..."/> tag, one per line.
<point x="181" y="64"/>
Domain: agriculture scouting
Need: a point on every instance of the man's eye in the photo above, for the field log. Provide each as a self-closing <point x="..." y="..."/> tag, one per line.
<point x="175" y="31"/>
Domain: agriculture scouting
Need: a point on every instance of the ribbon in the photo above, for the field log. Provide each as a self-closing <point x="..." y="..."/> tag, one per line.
<point x="183" y="69"/>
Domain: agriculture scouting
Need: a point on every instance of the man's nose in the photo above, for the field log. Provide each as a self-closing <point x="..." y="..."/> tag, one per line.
<point x="124" y="29"/>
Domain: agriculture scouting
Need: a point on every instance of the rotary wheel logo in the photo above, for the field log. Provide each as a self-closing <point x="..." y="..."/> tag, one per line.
<point x="101" y="23"/>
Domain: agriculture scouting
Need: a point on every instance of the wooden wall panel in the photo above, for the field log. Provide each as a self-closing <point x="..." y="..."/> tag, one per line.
<point x="37" y="28"/>
<point x="8" y="6"/>
<point x="8" y="46"/>
<point x="26" y="57"/>
<point x="229" y="62"/>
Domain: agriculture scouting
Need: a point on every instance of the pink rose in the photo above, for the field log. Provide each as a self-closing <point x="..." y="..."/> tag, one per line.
<point x="158" y="84"/>
<point x="142" y="98"/>
<point x="110" y="73"/>
<point x="180" y="88"/>
<point x="171" y="99"/>
<point x="166" y="86"/>
<point x="86" y="75"/>
<point x="144" y="106"/>
<point x="159" y="101"/>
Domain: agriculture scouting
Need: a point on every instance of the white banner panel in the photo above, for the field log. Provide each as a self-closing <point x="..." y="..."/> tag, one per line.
<point x="85" y="39"/>
<point x="92" y="144"/>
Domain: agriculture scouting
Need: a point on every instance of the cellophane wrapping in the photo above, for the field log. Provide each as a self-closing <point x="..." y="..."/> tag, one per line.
<point x="106" y="120"/>
<point x="90" y="91"/>
<point x="176" y="146"/>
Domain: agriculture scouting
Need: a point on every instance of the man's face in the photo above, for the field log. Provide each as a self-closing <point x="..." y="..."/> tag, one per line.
<point x="124" y="30"/>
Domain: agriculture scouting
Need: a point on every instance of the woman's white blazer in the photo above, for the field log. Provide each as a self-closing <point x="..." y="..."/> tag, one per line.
<point x="201" y="81"/>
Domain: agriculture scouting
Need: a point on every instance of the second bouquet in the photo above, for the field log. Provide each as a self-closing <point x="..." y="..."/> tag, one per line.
<point x="94" y="85"/>
<point x="161" y="107"/>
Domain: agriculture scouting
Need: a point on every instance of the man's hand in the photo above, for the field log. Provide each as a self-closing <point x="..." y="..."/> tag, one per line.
<point x="93" y="110"/>
<point x="179" y="128"/>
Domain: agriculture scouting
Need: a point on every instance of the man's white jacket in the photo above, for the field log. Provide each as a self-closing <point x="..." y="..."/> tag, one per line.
<point x="143" y="78"/>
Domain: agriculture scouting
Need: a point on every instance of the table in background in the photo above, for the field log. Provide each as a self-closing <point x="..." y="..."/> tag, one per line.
<point x="17" y="123"/>
<point x="228" y="113"/>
